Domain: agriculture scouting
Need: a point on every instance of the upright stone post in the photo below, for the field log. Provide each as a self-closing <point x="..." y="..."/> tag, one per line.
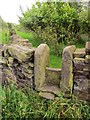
<point x="66" y="83"/>
<point x="41" y="61"/>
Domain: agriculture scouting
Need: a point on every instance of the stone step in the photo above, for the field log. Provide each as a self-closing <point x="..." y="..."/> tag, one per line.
<point x="47" y="95"/>
<point x="50" y="88"/>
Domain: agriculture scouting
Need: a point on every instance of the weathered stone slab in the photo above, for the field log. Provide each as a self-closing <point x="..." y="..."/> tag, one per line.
<point x="79" y="53"/>
<point x="87" y="59"/>
<point x="27" y="74"/>
<point x="23" y="42"/>
<point x="86" y="69"/>
<point x="81" y="73"/>
<point x="50" y="88"/>
<point x="21" y="75"/>
<point x="27" y="65"/>
<point x="53" y="76"/>
<point x="20" y="53"/>
<point x="24" y="83"/>
<point x="80" y="77"/>
<point x="78" y="66"/>
<point x="87" y="47"/>
<point x="78" y="63"/>
<point x="10" y="60"/>
<point x="8" y="76"/>
<point x="81" y="87"/>
<point x="31" y="64"/>
<point x="41" y="61"/>
<point x="66" y="83"/>
<point x="81" y="84"/>
<point x="27" y="70"/>
<point x="20" y="84"/>
<point x="82" y="95"/>
<point x="47" y="95"/>
<point x="29" y="45"/>
<point x="2" y="60"/>
<point x="78" y="60"/>
<point x="87" y="66"/>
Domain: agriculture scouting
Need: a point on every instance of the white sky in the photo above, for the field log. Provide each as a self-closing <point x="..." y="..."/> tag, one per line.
<point x="9" y="9"/>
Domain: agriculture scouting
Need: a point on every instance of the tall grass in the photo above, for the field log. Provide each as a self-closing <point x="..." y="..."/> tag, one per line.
<point x="4" y="37"/>
<point x="18" y="104"/>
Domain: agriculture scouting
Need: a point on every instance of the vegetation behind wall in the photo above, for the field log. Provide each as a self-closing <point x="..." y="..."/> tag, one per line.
<point x="57" y="23"/>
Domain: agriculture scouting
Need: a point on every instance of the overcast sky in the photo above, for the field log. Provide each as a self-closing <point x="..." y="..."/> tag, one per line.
<point x="9" y="9"/>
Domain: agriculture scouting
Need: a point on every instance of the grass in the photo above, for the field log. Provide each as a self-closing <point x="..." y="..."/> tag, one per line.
<point x="18" y="104"/>
<point x="55" y="61"/>
<point x="4" y="37"/>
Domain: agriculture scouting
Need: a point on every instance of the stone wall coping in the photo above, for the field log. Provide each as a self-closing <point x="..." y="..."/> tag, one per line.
<point x="53" y="69"/>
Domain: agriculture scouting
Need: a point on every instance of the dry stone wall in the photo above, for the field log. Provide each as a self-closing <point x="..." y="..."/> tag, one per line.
<point x="17" y="62"/>
<point x="75" y="73"/>
<point x="25" y="65"/>
<point x="81" y="71"/>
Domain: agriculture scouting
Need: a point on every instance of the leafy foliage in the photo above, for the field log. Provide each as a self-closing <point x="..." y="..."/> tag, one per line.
<point x="56" y="22"/>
